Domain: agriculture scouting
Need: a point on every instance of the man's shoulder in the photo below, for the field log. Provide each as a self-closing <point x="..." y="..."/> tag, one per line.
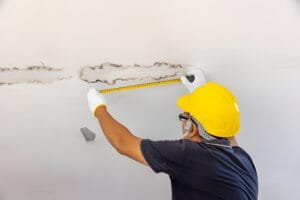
<point x="184" y="145"/>
<point x="165" y="141"/>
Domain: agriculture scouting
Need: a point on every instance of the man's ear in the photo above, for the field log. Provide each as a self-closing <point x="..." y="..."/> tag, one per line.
<point x="194" y="130"/>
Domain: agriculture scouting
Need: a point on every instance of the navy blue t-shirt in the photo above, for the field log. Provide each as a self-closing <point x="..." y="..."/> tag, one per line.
<point x="201" y="171"/>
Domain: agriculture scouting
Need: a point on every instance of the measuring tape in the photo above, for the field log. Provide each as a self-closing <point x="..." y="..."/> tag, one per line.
<point x="143" y="85"/>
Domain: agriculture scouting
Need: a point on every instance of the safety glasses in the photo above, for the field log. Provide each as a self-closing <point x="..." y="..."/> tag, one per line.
<point x="186" y="116"/>
<point x="183" y="116"/>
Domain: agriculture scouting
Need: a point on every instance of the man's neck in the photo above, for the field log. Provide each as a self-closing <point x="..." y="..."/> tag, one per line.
<point x="233" y="141"/>
<point x="197" y="138"/>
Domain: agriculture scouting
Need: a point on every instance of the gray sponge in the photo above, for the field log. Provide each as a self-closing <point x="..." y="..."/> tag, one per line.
<point x="88" y="134"/>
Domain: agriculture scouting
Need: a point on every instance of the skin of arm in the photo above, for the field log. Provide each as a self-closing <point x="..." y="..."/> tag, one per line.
<point x="119" y="136"/>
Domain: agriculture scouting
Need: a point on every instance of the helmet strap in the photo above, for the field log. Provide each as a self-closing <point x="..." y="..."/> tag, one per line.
<point x="209" y="139"/>
<point x="206" y="136"/>
<point x="203" y="133"/>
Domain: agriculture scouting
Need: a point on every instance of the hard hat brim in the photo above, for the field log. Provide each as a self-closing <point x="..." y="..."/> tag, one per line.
<point x="182" y="103"/>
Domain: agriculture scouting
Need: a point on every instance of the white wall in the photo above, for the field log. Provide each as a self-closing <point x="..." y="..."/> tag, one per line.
<point x="252" y="47"/>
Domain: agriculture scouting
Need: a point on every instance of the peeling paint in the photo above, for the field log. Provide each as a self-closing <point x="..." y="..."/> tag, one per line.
<point x="110" y="74"/>
<point x="32" y="74"/>
<point x="103" y="74"/>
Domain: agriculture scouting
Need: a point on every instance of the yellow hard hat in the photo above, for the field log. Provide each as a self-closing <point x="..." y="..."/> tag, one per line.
<point x="214" y="107"/>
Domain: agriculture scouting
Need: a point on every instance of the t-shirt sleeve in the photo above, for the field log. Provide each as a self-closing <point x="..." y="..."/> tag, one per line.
<point x="164" y="156"/>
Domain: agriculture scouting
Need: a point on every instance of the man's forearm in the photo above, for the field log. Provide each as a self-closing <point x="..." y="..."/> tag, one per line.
<point x="116" y="133"/>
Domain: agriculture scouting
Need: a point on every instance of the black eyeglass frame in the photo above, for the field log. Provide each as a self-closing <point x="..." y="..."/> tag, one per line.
<point x="182" y="117"/>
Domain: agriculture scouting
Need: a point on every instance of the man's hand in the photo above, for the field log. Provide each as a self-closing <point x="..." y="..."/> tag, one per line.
<point x="95" y="99"/>
<point x="193" y="78"/>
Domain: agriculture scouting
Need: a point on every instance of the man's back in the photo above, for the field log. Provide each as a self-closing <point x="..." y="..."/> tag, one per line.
<point x="203" y="171"/>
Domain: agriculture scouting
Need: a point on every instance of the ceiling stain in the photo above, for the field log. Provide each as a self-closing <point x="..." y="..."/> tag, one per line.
<point x="110" y="73"/>
<point x="105" y="73"/>
<point x="31" y="74"/>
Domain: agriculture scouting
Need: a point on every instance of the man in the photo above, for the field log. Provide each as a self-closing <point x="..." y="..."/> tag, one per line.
<point x="207" y="163"/>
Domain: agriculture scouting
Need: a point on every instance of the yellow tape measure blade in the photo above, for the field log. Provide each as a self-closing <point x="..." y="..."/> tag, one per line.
<point x="143" y="85"/>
